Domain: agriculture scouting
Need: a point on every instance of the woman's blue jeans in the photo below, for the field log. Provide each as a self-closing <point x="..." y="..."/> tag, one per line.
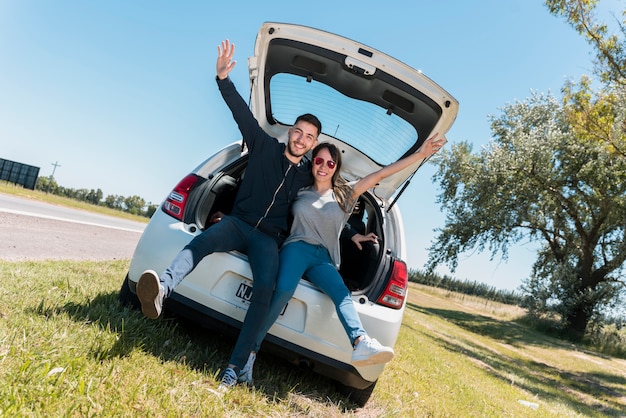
<point x="299" y="259"/>
<point x="231" y="233"/>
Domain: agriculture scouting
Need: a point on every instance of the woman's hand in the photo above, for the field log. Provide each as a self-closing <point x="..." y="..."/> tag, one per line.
<point x="428" y="148"/>
<point x="359" y="238"/>
<point x="433" y="144"/>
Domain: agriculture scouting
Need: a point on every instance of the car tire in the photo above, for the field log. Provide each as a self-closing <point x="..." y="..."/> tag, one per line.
<point x="128" y="298"/>
<point x="357" y="396"/>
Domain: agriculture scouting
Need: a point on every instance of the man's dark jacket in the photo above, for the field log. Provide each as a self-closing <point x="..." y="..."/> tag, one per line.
<point x="271" y="181"/>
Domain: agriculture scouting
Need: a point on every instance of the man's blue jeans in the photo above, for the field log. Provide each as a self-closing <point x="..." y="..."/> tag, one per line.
<point x="299" y="259"/>
<point x="231" y="233"/>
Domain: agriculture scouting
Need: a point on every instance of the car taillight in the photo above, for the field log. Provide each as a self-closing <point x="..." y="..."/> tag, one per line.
<point x="395" y="292"/>
<point x="175" y="203"/>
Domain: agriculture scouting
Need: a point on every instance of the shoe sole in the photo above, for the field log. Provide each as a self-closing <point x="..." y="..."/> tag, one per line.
<point x="378" y="358"/>
<point x="147" y="292"/>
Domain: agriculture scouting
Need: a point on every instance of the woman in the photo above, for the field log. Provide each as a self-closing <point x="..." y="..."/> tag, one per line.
<point x="312" y="249"/>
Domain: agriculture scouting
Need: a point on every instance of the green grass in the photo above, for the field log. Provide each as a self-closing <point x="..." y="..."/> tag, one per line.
<point x="67" y="348"/>
<point x="19" y="191"/>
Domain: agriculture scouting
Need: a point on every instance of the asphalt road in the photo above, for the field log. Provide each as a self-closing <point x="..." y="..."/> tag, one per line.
<point x="33" y="230"/>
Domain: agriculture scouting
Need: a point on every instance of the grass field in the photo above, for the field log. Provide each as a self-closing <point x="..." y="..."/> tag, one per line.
<point x="67" y="348"/>
<point x="19" y="191"/>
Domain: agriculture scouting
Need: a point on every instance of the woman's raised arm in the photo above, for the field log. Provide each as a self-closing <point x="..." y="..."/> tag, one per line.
<point x="428" y="148"/>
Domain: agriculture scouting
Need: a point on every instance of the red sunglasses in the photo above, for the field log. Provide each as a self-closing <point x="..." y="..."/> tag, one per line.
<point x="319" y="161"/>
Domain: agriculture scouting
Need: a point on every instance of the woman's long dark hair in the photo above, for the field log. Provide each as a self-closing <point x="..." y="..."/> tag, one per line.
<point x="343" y="192"/>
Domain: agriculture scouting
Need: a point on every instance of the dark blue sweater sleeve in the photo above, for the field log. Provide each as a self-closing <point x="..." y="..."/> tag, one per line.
<point x="249" y="127"/>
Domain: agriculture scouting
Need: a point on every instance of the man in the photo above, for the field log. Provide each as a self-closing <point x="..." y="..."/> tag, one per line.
<point x="257" y="224"/>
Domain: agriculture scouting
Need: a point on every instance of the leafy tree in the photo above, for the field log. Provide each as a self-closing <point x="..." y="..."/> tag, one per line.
<point x="150" y="210"/>
<point x="134" y="205"/>
<point x="47" y="184"/>
<point x="538" y="181"/>
<point x="77" y="194"/>
<point x="109" y="201"/>
<point x="94" y="196"/>
<point x="597" y="116"/>
<point x="610" y="48"/>
<point x="601" y="115"/>
<point x="114" y="201"/>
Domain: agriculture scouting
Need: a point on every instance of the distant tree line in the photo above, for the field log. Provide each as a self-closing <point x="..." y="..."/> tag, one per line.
<point x="467" y="287"/>
<point x="508" y="297"/>
<point x="131" y="204"/>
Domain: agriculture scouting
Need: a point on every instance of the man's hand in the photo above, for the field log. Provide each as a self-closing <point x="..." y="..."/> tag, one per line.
<point x="225" y="61"/>
<point x="216" y="217"/>
<point x="359" y="238"/>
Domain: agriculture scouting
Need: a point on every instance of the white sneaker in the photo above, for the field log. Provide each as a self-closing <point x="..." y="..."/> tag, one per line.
<point x="150" y="293"/>
<point x="369" y="351"/>
<point x="245" y="375"/>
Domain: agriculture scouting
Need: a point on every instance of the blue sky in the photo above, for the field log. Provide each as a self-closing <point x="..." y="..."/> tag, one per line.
<point x="122" y="93"/>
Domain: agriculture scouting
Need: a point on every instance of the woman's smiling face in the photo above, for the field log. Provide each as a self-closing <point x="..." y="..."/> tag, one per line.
<point x="321" y="170"/>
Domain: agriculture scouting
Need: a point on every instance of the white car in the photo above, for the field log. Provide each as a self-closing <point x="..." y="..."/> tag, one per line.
<point x="376" y="109"/>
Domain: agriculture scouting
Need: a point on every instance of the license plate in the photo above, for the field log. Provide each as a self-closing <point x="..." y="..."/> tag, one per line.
<point x="244" y="293"/>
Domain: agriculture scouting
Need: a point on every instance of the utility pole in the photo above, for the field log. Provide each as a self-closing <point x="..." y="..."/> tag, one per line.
<point x="55" y="164"/>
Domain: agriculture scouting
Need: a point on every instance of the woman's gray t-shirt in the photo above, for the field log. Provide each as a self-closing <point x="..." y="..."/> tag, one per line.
<point x="318" y="220"/>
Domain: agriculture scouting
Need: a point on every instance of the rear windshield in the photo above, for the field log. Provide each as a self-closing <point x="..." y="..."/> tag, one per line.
<point x="367" y="127"/>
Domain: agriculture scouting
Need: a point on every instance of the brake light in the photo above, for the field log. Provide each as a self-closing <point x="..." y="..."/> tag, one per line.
<point x="175" y="203"/>
<point x="396" y="289"/>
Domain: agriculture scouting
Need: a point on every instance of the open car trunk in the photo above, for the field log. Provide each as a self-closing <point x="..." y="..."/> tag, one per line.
<point x="359" y="268"/>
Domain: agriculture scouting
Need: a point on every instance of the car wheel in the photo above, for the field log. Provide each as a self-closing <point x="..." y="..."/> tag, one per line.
<point x="358" y="396"/>
<point x="128" y="298"/>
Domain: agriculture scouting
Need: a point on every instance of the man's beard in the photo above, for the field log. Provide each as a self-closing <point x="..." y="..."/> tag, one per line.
<point x="292" y="153"/>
